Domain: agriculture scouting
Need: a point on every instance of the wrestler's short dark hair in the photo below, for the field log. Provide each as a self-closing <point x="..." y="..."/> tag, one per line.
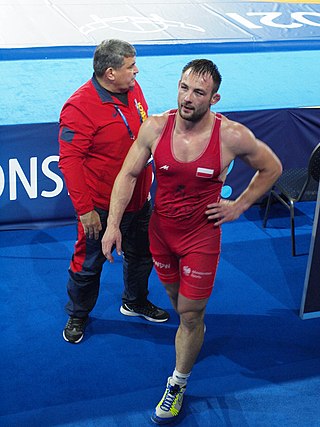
<point x="205" y="66"/>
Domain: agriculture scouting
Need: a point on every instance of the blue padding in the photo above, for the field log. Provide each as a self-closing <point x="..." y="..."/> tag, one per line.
<point x="32" y="188"/>
<point x="47" y="52"/>
<point x="176" y="48"/>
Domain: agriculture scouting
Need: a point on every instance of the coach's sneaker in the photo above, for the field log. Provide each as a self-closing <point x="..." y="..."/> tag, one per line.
<point x="74" y="329"/>
<point x="169" y="406"/>
<point x="148" y="311"/>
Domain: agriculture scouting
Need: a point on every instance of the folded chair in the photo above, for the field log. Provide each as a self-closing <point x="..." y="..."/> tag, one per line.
<point x="296" y="185"/>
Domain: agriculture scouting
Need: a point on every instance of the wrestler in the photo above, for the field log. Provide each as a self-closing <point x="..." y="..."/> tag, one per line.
<point x="192" y="148"/>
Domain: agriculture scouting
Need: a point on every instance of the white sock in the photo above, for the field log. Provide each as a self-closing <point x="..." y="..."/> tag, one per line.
<point x="179" y="378"/>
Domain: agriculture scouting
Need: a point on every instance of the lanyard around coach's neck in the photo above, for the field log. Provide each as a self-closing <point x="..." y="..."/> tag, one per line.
<point x="125" y="121"/>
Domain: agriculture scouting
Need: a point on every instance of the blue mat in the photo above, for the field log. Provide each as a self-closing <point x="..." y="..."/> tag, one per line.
<point x="34" y="91"/>
<point x="267" y="52"/>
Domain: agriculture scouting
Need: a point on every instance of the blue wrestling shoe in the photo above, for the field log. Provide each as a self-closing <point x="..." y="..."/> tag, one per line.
<point x="169" y="406"/>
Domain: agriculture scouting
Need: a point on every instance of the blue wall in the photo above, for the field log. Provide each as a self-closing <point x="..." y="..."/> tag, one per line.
<point x="33" y="194"/>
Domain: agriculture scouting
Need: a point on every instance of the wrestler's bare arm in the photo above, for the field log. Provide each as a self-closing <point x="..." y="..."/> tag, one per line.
<point x="124" y="184"/>
<point x="238" y="141"/>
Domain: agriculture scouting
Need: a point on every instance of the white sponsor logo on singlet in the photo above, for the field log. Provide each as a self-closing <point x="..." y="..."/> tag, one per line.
<point x="160" y="264"/>
<point x="186" y="270"/>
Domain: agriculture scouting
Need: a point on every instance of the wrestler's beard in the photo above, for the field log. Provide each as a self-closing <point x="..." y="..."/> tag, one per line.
<point x="196" y="115"/>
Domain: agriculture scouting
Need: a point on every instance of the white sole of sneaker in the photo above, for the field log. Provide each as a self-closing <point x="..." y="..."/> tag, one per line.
<point x="71" y="342"/>
<point x="133" y="314"/>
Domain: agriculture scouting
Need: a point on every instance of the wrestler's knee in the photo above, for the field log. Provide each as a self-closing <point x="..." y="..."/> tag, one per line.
<point x="191" y="312"/>
<point x="191" y="320"/>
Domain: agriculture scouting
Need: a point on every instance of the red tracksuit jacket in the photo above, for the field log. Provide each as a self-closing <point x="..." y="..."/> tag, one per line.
<point x="96" y="132"/>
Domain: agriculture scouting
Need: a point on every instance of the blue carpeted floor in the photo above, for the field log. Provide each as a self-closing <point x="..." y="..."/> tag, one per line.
<point x="260" y="364"/>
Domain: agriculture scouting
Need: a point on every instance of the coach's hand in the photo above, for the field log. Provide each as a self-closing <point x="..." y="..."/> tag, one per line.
<point x="91" y="224"/>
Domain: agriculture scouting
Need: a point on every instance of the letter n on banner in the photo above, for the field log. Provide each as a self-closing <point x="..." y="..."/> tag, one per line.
<point x="310" y="304"/>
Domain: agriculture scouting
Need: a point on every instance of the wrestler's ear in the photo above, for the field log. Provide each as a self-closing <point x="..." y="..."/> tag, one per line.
<point x="215" y="98"/>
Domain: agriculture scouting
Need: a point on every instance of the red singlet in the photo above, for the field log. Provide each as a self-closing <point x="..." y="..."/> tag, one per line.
<point x="186" y="246"/>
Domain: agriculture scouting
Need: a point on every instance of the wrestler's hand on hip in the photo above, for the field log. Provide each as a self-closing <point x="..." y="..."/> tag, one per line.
<point x="111" y="238"/>
<point x="223" y="211"/>
<point x="91" y="224"/>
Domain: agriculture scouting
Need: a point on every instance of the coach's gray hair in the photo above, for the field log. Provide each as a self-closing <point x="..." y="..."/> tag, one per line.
<point x="111" y="53"/>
